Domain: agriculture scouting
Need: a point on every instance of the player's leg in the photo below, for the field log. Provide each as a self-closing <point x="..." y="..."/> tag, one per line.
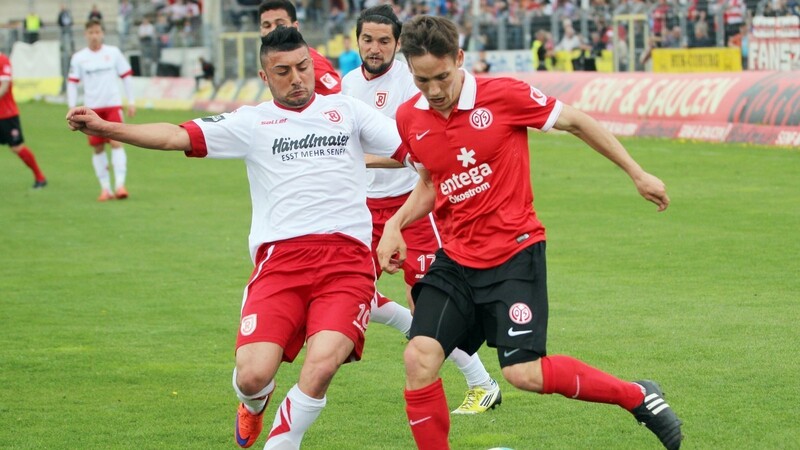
<point x="483" y="392"/>
<point x="11" y="134"/>
<point x="520" y="334"/>
<point x="336" y="319"/>
<point x="119" y="159"/>
<point x="391" y="313"/>
<point x="438" y="327"/>
<point x="100" y="164"/>
<point x="326" y="351"/>
<point x="253" y="382"/>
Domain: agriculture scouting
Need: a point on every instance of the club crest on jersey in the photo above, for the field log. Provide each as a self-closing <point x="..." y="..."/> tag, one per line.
<point x="538" y="97"/>
<point x="520" y="313"/>
<point x="333" y="115"/>
<point x="248" y="325"/>
<point x="481" y="118"/>
<point x="380" y="99"/>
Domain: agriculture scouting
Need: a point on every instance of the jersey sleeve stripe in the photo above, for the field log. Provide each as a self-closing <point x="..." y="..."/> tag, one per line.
<point x="197" y="140"/>
<point x="128" y="73"/>
<point x="553" y="116"/>
<point x="74" y="80"/>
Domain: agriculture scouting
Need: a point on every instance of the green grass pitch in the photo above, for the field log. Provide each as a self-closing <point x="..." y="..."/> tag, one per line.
<point x="118" y="320"/>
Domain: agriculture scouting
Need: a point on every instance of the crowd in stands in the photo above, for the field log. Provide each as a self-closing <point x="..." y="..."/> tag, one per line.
<point x="547" y="26"/>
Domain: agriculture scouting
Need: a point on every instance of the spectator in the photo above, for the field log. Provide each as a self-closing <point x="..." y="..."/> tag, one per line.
<point x="734" y="13"/>
<point x="147" y="42"/>
<point x="33" y="23"/>
<point x="673" y="38"/>
<point x="65" y="23"/>
<point x="571" y="40"/>
<point x="701" y="38"/>
<point x="481" y="66"/>
<point x="124" y="21"/>
<point x="207" y="68"/>
<point x="349" y="58"/>
<point x="542" y="49"/>
<point x="95" y="14"/>
<point x="740" y="40"/>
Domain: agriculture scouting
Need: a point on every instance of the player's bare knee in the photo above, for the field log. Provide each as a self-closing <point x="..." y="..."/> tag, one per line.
<point x="422" y="360"/>
<point x="524" y="376"/>
<point x="250" y="380"/>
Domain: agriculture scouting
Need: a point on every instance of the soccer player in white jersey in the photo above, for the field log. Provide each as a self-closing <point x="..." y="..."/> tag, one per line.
<point x="314" y="275"/>
<point x="468" y="137"/>
<point x="98" y="67"/>
<point x="385" y="83"/>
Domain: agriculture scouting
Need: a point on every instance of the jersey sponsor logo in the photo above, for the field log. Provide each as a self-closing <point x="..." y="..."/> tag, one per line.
<point x="481" y="118"/>
<point x="469" y="183"/>
<point x="213" y="119"/>
<point x="519" y="313"/>
<point x="328" y="80"/>
<point x="284" y="145"/>
<point x="380" y="99"/>
<point x="422" y="135"/>
<point x="248" y="325"/>
<point x="538" y="97"/>
<point x="333" y="115"/>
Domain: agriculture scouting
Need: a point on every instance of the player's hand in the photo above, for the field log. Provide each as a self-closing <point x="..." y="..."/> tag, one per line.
<point x="131" y="110"/>
<point x="391" y="250"/>
<point x="653" y="189"/>
<point x="83" y="119"/>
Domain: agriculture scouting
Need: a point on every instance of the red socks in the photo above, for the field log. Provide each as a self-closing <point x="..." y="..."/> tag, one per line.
<point x="428" y="416"/>
<point x="575" y="379"/>
<point x="27" y="157"/>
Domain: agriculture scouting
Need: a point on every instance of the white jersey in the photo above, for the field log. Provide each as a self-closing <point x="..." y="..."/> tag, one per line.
<point x="306" y="168"/>
<point x="99" y="70"/>
<point x="385" y="93"/>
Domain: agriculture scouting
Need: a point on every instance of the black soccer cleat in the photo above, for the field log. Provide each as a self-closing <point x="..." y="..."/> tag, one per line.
<point x="39" y="184"/>
<point x="656" y="414"/>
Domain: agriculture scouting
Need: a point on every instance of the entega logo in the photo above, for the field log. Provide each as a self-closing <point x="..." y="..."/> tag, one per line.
<point x="473" y="179"/>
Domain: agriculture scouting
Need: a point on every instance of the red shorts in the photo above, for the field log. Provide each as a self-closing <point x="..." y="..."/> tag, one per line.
<point x="422" y="238"/>
<point x="111" y="114"/>
<point x="304" y="285"/>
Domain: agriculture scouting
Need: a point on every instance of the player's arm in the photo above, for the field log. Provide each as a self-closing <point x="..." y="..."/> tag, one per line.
<point x="590" y="131"/>
<point x="157" y="136"/>
<point x="391" y="250"/>
<point x="381" y="162"/>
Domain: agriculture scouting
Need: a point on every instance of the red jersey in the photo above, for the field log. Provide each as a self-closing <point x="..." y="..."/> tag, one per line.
<point x="8" y="107"/>
<point x="479" y="163"/>
<point x="326" y="79"/>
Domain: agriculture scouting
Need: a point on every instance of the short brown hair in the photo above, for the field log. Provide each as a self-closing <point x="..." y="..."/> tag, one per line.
<point x="92" y="22"/>
<point x="428" y="34"/>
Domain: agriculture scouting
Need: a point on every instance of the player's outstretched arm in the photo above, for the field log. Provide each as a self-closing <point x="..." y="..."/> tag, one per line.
<point x="590" y="131"/>
<point x="381" y="162"/>
<point x="157" y="136"/>
<point x="391" y="250"/>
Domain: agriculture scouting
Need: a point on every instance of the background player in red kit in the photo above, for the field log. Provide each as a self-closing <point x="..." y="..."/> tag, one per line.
<point x="468" y="138"/>
<point x="282" y="13"/>
<point x="385" y="83"/>
<point x="98" y="67"/>
<point x="314" y="276"/>
<point x="10" y="126"/>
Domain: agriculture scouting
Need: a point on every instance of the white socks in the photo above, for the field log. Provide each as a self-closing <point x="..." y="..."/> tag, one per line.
<point x="120" y="162"/>
<point x="472" y="368"/>
<point x="392" y="314"/>
<point x="294" y="416"/>
<point x="254" y="403"/>
<point x="100" y="163"/>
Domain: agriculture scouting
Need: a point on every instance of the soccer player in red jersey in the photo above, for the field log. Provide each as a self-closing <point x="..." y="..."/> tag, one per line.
<point x="99" y="67"/>
<point x="314" y="275"/>
<point x="468" y="137"/>
<point x="10" y="126"/>
<point x="282" y="13"/>
<point x="385" y="83"/>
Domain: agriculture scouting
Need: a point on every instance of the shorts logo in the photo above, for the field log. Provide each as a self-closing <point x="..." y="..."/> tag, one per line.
<point x="520" y="313"/>
<point x="480" y="119"/>
<point x="248" y="325"/>
<point x="380" y="99"/>
<point x="333" y="115"/>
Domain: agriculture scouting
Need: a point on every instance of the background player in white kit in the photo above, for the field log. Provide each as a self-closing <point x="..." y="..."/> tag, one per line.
<point x="385" y="83"/>
<point x="98" y="66"/>
<point x="314" y="276"/>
